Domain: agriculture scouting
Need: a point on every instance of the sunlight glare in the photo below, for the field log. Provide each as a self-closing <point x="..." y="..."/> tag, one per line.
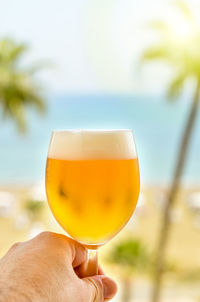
<point x="184" y="31"/>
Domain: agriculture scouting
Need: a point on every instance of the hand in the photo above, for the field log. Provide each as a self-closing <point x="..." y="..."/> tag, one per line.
<point x="51" y="268"/>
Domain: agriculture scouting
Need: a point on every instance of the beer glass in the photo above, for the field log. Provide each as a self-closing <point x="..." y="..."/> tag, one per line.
<point x="92" y="183"/>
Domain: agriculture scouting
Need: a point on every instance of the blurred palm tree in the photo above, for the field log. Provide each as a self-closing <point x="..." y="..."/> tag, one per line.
<point x="18" y="88"/>
<point x="129" y="256"/>
<point x="34" y="209"/>
<point x="179" y="47"/>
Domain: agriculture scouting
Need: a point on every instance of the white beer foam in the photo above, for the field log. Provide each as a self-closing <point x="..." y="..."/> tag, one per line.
<point x="79" y="145"/>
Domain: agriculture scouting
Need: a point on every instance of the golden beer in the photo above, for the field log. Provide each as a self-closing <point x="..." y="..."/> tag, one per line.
<point x="92" y="199"/>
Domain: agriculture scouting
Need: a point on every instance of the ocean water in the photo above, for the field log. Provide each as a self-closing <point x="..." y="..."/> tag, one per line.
<point x="156" y="123"/>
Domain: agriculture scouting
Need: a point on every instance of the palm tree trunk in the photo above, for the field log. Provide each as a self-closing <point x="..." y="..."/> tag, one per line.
<point x="126" y="289"/>
<point x="165" y="228"/>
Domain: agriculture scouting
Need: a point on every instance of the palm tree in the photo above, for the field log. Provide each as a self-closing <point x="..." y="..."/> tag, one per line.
<point x="129" y="256"/>
<point x="18" y="88"/>
<point x="34" y="209"/>
<point x="180" y="49"/>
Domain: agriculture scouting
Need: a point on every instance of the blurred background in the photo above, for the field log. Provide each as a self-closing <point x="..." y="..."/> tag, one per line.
<point x="108" y="64"/>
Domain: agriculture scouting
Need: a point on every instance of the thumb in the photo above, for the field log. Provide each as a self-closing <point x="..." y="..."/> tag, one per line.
<point x="98" y="288"/>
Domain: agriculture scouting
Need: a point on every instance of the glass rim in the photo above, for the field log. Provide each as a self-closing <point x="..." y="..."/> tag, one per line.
<point x="92" y="130"/>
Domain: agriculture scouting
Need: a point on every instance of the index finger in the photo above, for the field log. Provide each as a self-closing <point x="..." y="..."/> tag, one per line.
<point x="74" y="252"/>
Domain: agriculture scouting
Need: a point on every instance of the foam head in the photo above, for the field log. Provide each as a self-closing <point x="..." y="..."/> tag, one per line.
<point x="80" y="145"/>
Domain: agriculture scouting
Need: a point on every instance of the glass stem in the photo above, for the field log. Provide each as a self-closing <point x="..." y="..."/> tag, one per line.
<point x="92" y="262"/>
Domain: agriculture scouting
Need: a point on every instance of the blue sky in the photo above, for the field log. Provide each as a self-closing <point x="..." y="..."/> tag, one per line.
<point x="94" y="44"/>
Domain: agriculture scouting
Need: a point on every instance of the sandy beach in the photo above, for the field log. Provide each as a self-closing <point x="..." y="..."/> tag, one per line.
<point x="24" y="212"/>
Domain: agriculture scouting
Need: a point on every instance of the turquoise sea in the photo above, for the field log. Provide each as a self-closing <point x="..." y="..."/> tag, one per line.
<point x="156" y="123"/>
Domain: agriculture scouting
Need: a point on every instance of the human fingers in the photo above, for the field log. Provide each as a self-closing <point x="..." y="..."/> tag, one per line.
<point x="99" y="288"/>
